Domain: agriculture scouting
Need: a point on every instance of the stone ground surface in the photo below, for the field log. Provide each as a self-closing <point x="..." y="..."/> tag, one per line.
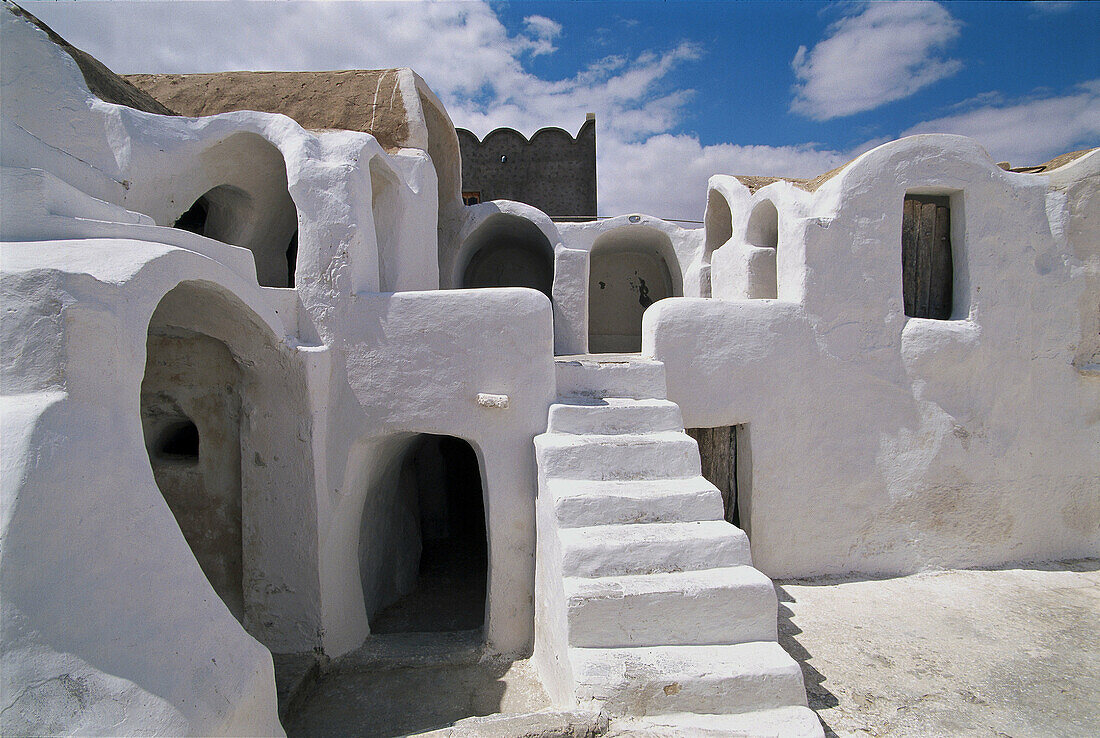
<point x="1012" y="652"/>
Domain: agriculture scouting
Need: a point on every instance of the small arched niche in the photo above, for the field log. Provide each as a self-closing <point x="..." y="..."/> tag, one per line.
<point x="630" y="268"/>
<point x="509" y="251"/>
<point x="423" y="551"/>
<point x="717" y="224"/>
<point x="244" y="200"/>
<point x="762" y="237"/>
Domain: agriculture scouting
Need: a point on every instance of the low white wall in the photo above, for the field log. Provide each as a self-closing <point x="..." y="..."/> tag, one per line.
<point x="415" y="362"/>
<point x="882" y="443"/>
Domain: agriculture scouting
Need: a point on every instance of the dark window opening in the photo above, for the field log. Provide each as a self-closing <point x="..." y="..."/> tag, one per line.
<point x="726" y="463"/>
<point x="194" y="219"/>
<point x="450" y="590"/>
<point x="471" y="198"/>
<point x="180" y="441"/>
<point x="927" y="264"/>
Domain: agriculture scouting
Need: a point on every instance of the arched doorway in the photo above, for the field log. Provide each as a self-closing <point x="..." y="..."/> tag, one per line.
<point x="629" y="270"/>
<point x="226" y="426"/>
<point x="246" y="203"/>
<point x="509" y="251"/>
<point x="435" y="547"/>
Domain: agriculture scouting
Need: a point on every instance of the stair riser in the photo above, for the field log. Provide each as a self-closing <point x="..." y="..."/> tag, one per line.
<point x="596" y="557"/>
<point x="727" y="614"/>
<point x="612" y="419"/>
<point x="609" y="461"/>
<point x="655" y="694"/>
<point x="577" y="512"/>
<point x="637" y="380"/>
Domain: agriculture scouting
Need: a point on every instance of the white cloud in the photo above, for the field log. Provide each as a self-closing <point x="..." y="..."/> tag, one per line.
<point x="666" y="175"/>
<point x="885" y="52"/>
<point x="1028" y="131"/>
<point x="476" y="66"/>
<point x="544" y="30"/>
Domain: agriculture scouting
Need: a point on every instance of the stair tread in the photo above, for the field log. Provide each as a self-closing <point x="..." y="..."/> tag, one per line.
<point x="582" y="503"/>
<point x="704" y="531"/>
<point x="612" y="402"/>
<point x="556" y="438"/>
<point x="688" y="583"/>
<point x="563" y="488"/>
<point x="646" y="548"/>
<point x="792" y="721"/>
<point x="717" y="660"/>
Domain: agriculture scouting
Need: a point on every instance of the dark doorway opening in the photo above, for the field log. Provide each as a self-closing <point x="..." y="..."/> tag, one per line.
<point x="444" y="474"/>
<point x="194" y="219"/>
<point x="727" y="464"/>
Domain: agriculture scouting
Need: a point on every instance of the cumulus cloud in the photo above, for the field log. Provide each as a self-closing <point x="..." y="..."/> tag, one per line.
<point x="885" y="52"/>
<point x="666" y="175"/>
<point x="476" y="66"/>
<point x="473" y="63"/>
<point x="1028" y="131"/>
<point x="543" y="31"/>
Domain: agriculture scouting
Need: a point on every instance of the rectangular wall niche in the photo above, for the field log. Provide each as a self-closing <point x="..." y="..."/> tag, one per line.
<point x="724" y="452"/>
<point x="927" y="265"/>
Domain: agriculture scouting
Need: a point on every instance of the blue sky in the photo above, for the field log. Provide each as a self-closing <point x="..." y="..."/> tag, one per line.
<point x="682" y="90"/>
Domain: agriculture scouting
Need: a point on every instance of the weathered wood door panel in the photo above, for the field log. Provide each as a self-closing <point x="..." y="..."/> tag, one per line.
<point x="927" y="265"/>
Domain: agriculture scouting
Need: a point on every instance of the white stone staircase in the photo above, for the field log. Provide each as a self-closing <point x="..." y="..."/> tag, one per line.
<point x="647" y="603"/>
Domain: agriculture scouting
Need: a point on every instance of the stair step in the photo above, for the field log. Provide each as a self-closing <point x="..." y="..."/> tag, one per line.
<point x="726" y="605"/>
<point x="646" y="548"/>
<point x="664" y="455"/>
<point x="615" y="415"/>
<point x="724" y="679"/>
<point x="592" y="376"/>
<point x="579" y="502"/>
<point x="777" y="722"/>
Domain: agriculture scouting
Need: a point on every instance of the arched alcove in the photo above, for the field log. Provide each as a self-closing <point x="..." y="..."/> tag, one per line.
<point x="762" y="236"/>
<point x="386" y="207"/>
<point x="630" y="268"/>
<point x="509" y="251"/>
<point x="240" y="196"/>
<point x="717" y="223"/>
<point x="423" y="541"/>
<point x="226" y="426"/>
<point x="190" y="413"/>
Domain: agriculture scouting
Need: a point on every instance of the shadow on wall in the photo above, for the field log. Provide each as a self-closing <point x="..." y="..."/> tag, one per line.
<point x="630" y="268"/>
<point x="245" y="201"/>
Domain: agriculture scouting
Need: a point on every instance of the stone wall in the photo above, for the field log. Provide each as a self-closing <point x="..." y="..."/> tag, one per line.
<point x="553" y="172"/>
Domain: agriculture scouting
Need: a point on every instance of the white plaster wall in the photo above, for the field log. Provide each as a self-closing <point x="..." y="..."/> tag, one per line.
<point x="108" y="622"/>
<point x="882" y="443"/>
<point x="415" y="363"/>
<point x="571" y="284"/>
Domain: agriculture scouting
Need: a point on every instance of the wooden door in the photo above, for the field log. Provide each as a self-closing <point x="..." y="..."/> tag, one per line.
<point x="927" y="267"/>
